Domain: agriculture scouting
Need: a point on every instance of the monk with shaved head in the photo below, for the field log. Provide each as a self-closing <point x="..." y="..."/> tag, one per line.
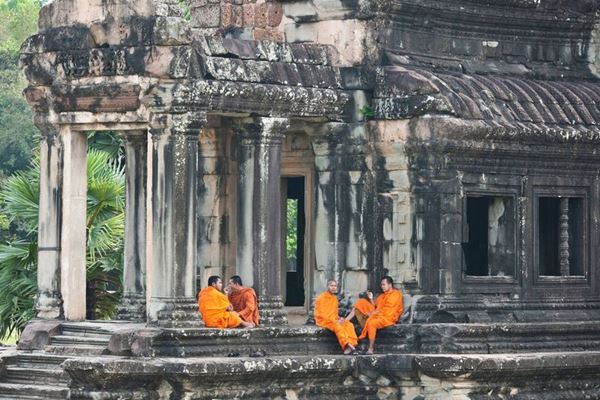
<point x="216" y="310"/>
<point x="388" y="309"/>
<point x="327" y="316"/>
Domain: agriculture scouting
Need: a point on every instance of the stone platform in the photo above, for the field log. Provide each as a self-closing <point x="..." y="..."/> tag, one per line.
<point x="92" y="360"/>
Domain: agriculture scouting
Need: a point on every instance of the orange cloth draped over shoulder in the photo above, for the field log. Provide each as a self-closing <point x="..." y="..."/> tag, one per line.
<point x="388" y="309"/>
<point x="213" y="306"/>
<point x="326" y="316"/>
<point x="364" y="306"/>
<point x="245" y="303"/>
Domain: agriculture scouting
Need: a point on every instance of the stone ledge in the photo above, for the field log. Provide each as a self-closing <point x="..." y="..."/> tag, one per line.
<point x="399" y="339"/>
<point x="522" y="376"/>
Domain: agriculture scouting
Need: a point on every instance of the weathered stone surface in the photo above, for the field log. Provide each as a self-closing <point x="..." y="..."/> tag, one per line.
<point x="37" y="334"/>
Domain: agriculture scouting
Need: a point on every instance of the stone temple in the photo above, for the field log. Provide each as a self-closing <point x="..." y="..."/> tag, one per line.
<point x="451" y="144"/>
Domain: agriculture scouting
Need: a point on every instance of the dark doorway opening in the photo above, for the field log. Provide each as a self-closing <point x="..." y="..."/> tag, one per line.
<point x="294" y="241"/>
<point x="475" y="249"/>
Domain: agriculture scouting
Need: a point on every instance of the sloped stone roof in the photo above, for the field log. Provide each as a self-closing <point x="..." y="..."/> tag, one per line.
<point x="499" y="100"/>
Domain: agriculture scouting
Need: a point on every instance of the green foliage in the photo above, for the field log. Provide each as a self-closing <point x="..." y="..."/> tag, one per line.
<point x="291" y="239"/>
<point x="19" y="21"/>
<point x="17" y="132"/>
<point x="367" y="112"/>
<point x="105" y="229"/>
<point x="186" y="10"/>
<point x="18" y="286"/>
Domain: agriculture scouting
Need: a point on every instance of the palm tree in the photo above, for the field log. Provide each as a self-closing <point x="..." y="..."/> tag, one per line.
<point x="105" y="229"/>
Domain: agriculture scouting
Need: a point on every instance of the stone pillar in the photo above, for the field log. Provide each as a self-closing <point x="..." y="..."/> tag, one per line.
<point x="564" y="237"/>
<point x="133" y="303"/>
<point x="174" y="219"/>
<point x="73" y="234"/>
<point x="49" y="300"/>
<point x="259" y="214"/>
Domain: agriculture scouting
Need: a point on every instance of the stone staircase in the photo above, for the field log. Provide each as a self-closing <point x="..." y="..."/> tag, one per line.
<point x="78" y="339"/>
<point x="39" y="375"/>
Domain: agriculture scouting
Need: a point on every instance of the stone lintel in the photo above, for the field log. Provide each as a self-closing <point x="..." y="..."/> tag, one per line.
<point x="253" y="98"/>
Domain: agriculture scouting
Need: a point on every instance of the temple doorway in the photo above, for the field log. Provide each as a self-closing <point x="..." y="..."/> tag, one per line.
<point x="294" y="224"/>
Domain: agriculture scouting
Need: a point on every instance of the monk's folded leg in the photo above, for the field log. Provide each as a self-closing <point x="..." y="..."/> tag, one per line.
<point x="345" y="334"/>
<point x="233" y="320"/>
<point x="372" y="325"/>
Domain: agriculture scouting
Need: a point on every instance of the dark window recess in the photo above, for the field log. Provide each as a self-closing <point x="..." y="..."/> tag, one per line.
<point x="489" y="236"/>
<point x="561" y="236"/>
<point x="548" y="233"/>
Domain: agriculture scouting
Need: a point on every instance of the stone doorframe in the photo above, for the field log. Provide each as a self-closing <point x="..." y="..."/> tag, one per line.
<point x="62" y="215"/>
<point x="298" y="161"/>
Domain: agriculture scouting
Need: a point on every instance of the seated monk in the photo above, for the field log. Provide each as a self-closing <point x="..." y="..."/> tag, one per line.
<point x="388" y="309"/>
<point x="362" y="308"/>
<point x="243" y="300"/>
<point x="326" y="316"/>
<point x="216" y="310"/>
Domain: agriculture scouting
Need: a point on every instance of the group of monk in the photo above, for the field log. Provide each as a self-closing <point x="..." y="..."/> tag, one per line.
<point x="371" y="314"/>
<point x="237" y="306"/>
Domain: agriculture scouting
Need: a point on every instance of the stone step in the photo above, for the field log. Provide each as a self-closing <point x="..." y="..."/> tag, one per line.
<point x="85" y="330"/>
<point x="79" y="340"/>
<point x="39" y="361"/>
<point x="399" y="339"/>
<point x="76" y="350"/>
<point x="36" y="376"/>
<point x="32" y="392"/>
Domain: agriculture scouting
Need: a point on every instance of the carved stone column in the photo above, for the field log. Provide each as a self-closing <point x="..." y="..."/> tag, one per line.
<point x="259" y="214"/>
<point x="174" y="224"/>
<point x="49" y="300"/>
<point x="133" y="303"/>
<point x="564" y="237"/>
<point x="73" y="226"/>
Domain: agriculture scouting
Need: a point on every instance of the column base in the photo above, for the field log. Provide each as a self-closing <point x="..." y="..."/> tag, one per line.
<point x="181" y="312"/>
<point x="49" y="305"/>
<point x="132" y="308"/>
<point x="272" y="313"/>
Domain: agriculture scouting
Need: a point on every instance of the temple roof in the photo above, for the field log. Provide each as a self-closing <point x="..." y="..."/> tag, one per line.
<point x="504" y="101"/>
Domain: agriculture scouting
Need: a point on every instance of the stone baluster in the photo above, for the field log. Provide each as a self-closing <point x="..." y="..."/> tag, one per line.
<point x="73" y="225"/>
<point x="174" y="197"/>
<point x="564" y="237"/>
<point x="133" y="303"/>
<point x="49" y="299"/>
<point x="259" y="213"/>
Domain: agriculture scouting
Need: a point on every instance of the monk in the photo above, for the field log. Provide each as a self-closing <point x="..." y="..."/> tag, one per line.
<point x="243" y="300"/>
<point x="362" y="308"/>
<point x="216" y="310"/>
<point x="326" y="316"/>
<point x="388" y="309"/>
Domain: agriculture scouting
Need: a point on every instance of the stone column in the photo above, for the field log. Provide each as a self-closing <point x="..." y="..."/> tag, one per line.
<point x="259" y="214"/>
<point x="564" y="237"/>
<point x="49" y="300"/>
<point x="74" y="234"/>
<point x="133" y="303"/>
<point x="174" y="219"/>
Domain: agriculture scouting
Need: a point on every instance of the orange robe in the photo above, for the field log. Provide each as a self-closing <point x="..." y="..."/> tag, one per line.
<point x="364" y="306"/>
<point x="213" y="306"/>
<point x="388" y="309"/>
<point x="245" y="303"/>
<point x="326" y="316"/>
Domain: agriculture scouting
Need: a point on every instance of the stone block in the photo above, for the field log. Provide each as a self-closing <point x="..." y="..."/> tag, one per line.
<point x="274" y="14"/>
<point x="231" y="15"/>
<point x="268" y="34"/>
<point x="37" y="334"/>
<point x="206" y="17"/>
<point x="260" y="15"/>
<point x="249" y="17"/>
